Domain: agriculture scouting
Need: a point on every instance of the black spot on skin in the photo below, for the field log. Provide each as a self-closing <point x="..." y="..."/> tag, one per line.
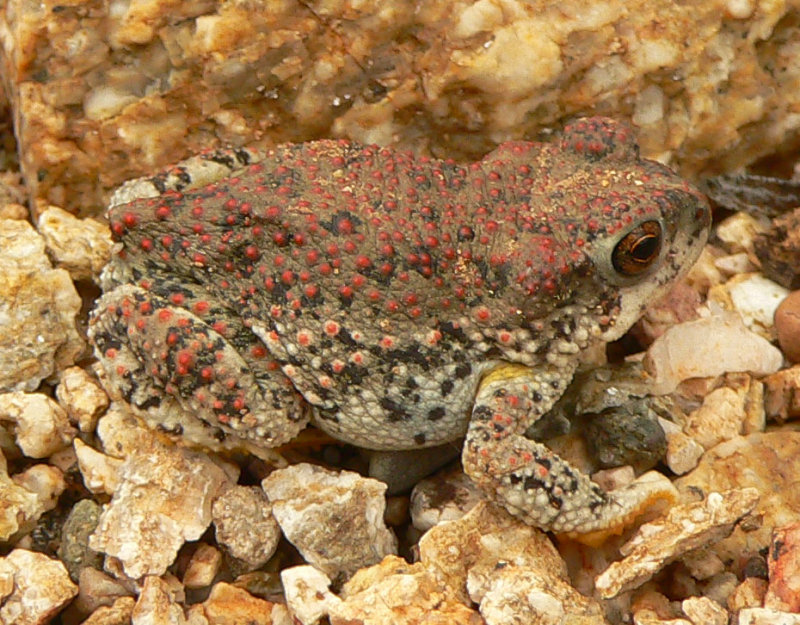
<point x="434" y="414"/>
<point x="446" y="387"/>
<point x="345" y="301"/>
<point x="243" y="156"/>
<point x="412" y="354"/>
<point x="463" y="370"/>
<point x="223" y="158"/>
<point x="328" y="415"/>
<point x="345" y="337"/>
<point x="532" y="483"/>
<point x="107" y="341"/>
<point x="150" y="402"/>
<point x="419" y="439"/>
<point x="449" y="330"/>
<point x="602" y="498"/>
<point x="394" y="411"/>
<point x="482" y="413"/>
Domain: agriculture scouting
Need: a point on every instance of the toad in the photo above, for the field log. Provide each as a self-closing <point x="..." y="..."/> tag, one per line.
<point x="398" y="302"/>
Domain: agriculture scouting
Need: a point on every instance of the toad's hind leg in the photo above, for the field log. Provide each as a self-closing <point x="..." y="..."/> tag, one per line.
<point x="199" y="356"/>
<point x="528" y="479"/>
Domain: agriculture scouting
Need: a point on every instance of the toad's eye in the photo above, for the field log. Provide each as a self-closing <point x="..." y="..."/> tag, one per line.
<point x="638" y="250"/>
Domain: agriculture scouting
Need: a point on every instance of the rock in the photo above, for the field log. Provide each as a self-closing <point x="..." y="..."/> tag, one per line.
<point x="765" y="616"/>
<point x="334" y="519"/>
<point x="446" y="496"/>
<point x="686" y="527"/>
<point x="244" y="525"/>
<point x="652" y="608"/>
<point x="203" y="567"/>
<point x="629" y="434"/>
<point x="519" y="596"/>
<point x="158" y="604"/>
<point x="706" y="348"/>
<point x="704" y="611"/>
<point x="749" y="594"/>
<point x="12" y="188"/>
<point x="679" y="304"/>
<point x="683" y="452"/>
<point x="163" y="500"/>
<point x="38" y="305"/>
<point x="81" y="246"/>
<point x="724" y="413"/>
<point x="739" y="232"/>
<point x="782" y="394"/>
<point x="396" y="592"/>
<point x="81" y="397"/>
<point x="26" y="497"/>
<point x="117" y="614"/>
<point x="229" y="605"/>
<point x="41" y="426"/>
<point x="768" y="462"/>
<point x="490" y="73"/>
<point x="101" y="473"/>
<point x="307" y="594"/>
<point x="720" y="587"/>
<point x="122" y="433"/>
<point x="45" y="481"/>
<point x="778" y="250"/>
<point x="36" y="588"/>
<point x="702" y="564"/>
<point x="705" y="273"/>
<point x="783" y="592"/>
<point x="787" y="326"/>
<point x="735" y="264"/>
<point x="97" y="589"/>
<point x="13" y="211"/>
<point x="467" y="553"/>
<point x="755" y="298"/>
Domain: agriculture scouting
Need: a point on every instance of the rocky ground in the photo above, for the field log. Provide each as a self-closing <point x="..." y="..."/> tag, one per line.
<point x="105" y="521"/>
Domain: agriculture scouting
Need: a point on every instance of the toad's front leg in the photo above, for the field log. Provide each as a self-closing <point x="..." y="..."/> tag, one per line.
<point x="528" y="479"/>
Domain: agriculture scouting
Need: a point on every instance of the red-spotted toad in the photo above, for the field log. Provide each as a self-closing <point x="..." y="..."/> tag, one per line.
<point x="398" y="301"/>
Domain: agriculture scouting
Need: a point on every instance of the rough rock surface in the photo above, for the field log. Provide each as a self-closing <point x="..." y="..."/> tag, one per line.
<point x="26" y="496"/>
<point x="768" y="462"/>
<point x="337" y="523"/>
<point x="81" y="246"/>
<point x="38" y="305"/>
<point x="244" y="525"/>
<point x="34" y="588"/>
<point x="164" y="499"/>
<point x="684" y="528"/>
<point x="40" y="425"/>
<point x="104" y="92"/>
<point x="229" y="605"/>
<point x="394" y="591"/>
<point x="106" y="95"/>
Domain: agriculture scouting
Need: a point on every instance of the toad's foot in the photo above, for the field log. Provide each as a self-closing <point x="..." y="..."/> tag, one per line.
<point x="196" y="359"/>
<point x="528" y="479"/>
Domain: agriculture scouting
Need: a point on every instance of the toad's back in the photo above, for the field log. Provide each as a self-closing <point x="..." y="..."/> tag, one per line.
<point x="382" y="285"/>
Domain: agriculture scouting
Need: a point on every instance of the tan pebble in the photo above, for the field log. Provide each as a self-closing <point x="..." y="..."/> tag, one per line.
<point x="787" y="324"/>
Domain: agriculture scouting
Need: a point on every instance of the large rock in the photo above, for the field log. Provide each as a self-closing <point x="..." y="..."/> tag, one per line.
<point x="106" y="94"/>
